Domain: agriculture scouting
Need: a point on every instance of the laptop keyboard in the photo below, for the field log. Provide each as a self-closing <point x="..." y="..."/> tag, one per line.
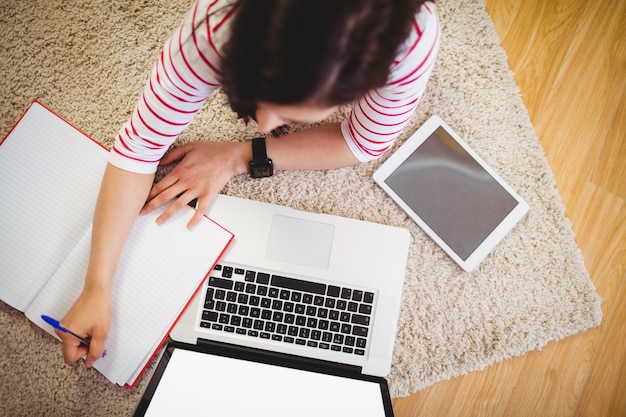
<point x="262" y="305"/>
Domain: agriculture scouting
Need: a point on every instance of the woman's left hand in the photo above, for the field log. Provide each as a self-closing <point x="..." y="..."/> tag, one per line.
<point x="203" y="170"/>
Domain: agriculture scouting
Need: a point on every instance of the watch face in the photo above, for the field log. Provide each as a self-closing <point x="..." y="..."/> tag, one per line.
<point x="261" y="169"/>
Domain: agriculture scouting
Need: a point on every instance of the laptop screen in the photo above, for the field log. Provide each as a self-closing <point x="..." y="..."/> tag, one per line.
<point x="197" y="383"/>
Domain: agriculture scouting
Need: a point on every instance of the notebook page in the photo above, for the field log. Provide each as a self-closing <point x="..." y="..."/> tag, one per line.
<point x="49" y="179"/>
<point x="160" y="269"/>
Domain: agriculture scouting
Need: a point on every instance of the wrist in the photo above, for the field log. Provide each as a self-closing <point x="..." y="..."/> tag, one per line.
<point x="242" y="154"/>
<point x="98" y="283"/>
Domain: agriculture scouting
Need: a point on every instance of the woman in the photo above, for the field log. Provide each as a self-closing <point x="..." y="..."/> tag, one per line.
<point x="279" y="62"/>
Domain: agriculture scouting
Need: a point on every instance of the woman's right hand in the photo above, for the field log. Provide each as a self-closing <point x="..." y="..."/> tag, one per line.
<point x="89" y="316"/>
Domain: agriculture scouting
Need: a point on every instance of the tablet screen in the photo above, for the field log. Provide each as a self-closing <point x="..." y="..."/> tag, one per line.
<point x="451" y="192"/>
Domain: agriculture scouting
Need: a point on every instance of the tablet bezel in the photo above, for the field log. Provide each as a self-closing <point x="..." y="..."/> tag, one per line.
<point x="406" y="150"/>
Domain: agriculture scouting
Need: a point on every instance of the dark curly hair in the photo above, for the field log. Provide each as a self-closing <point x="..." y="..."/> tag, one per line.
<point x="322" y="52"/>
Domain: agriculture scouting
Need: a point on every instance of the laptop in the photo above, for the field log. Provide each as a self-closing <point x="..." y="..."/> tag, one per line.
<point x="305" y="304"/>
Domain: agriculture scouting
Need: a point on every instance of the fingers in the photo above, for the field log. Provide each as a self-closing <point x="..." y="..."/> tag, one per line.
<point x="96" y="350"/>
<point x="174" y="208"/>
<point x="73" y="350"/>
<point x="203" y="204"/>
<point x="162" y="192"/>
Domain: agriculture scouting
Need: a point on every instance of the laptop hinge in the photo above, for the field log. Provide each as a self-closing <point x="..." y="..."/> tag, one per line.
<point x="278" y="358"/>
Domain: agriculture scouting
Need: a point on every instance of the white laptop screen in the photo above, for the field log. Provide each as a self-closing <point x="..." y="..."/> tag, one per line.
<point x="202" y="384"/>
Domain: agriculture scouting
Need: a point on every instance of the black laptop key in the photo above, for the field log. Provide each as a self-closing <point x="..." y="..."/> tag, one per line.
<point x="227" y="272"/>
<point x="365" y="309"/>
<point x="262" y="278"/>
<point x="209" y="315"/>
<point x="368" y="297"/>
<point x="298" y="284"/>
<point x="333" y="291"/>
<point x="359" y="319"/>
<point x="250" y="276"/>
<point x="220" y="283"/>
<point x="346" y="293"/>
<point x="359" y="331"/>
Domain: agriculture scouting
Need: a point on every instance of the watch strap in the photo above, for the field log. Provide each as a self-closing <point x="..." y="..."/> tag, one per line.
<point x="259" y="152"/>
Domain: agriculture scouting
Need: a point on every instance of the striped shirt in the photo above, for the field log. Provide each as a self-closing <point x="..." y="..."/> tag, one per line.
<point x="188" y="71"/>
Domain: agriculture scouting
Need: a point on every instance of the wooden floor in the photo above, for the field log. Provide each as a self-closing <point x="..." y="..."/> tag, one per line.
<point x="569" y="60"/>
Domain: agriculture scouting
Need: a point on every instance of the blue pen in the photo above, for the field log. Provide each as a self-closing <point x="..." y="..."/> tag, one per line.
<point x="57" y="325"/>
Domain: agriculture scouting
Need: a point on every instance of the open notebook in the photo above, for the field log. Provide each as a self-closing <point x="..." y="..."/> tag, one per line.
<point x="49" y="179"/>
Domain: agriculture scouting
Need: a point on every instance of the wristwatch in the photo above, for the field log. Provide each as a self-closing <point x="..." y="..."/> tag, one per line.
<point x="260" y="166"/>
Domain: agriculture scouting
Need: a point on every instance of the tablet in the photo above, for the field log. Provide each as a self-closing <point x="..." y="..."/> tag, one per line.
<point x="451" y="193"/>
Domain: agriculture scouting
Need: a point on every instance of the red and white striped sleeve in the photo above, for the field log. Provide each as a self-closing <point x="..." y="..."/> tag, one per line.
<point x="378" y="118"/>
<point x="184" y="76"/>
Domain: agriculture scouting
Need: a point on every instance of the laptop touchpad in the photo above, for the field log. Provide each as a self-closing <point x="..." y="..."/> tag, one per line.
<point x="299" y="241"/>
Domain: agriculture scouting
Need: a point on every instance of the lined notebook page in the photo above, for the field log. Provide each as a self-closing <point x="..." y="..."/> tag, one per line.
<point x="160" y="269"/>
<point x="49" y="179"/>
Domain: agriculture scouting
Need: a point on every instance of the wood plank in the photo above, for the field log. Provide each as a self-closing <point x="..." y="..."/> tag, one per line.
<point x="600" y="226"/>
<point x="404" y="406"/>
<point x="552" y="381"/>
<point x="584" y="97"/>
<point x="536" y="41"/>
<point x="610" y="169"/>
<point x="605" y="394"/>
<point x="549" y="382"/>
<point x="500" y="12"/>
<point x="477" y="393"/>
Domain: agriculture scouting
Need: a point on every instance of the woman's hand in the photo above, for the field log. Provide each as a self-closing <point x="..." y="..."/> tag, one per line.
<point x="203" y="170"/>
<point x="89" y="316"/>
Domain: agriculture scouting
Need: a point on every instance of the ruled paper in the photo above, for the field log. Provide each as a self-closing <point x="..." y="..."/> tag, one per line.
<point x="49" y="179"/>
